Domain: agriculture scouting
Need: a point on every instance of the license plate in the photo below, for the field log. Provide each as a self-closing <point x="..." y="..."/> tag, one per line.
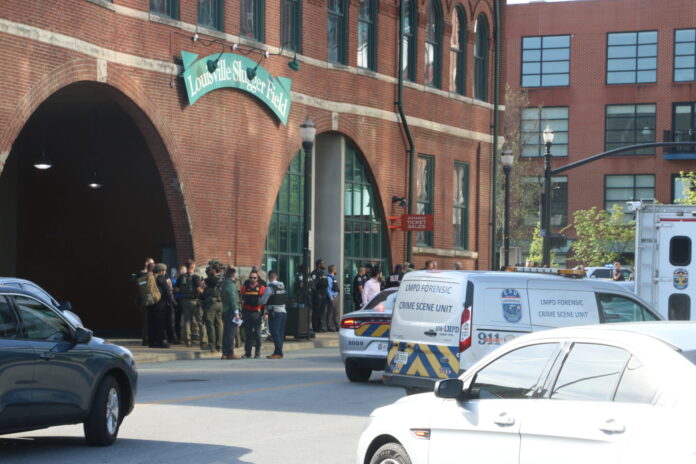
<point x="401" y="357"/>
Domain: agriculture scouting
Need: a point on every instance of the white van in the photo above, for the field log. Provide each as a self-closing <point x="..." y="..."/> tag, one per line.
<point x="445" y="321"/>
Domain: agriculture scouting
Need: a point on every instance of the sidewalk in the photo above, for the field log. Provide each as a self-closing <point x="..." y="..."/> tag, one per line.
<point x="143" y="354"/>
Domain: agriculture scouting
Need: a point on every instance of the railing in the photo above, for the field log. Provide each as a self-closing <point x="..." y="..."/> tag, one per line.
<point x="687" y="135"/>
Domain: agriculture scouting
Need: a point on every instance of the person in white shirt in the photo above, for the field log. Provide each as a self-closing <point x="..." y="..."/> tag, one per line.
<point x="373" y="286"/>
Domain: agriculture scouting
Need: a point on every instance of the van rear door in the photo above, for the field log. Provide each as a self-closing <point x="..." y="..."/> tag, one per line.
<point x="424" y="337"/>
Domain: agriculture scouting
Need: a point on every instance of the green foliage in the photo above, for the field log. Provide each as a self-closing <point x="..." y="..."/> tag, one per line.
<point x="537" y="245"/>
<point x="601" y="235"/>
<point x="688" y="181"/>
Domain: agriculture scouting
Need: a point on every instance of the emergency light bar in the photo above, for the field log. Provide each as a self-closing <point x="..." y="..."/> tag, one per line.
<point x="548" y="270"/>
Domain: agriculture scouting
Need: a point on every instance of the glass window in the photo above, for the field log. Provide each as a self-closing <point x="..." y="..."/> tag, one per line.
<point x="679" y="307"/>
<point x="367" y="34"/>
<point x="681" y="188"/>
<point x="590" y="373"/>
<point x="291" y="25"/>
<point x="460" y="208"/>
<point x="684" y="55"/>
<point x="337" y="33"/>
<point x="535" y="120"/>
<point x="680" y="251"/>
<point x="481" y="59"/>
<point x="617" y="308"/>
<point x="211" y="14"/>
<point x="252" y="22"/>
<point x="620" y="189"/>
<point x="40" y="322"/>
<point x="425" y="176"/>
<point x="546" y="61"/>
<point x="168" y="8"/>
<point x="631" y="57"/>
<point x="458" y="52"/>
<point x="627" y="125"/>
<point x="559" y="200"/>
<point x="636" y="385"/>
<point x="8" y="320"/>
<point x="433" y="39"/>
<point x="284" y="239"/>
<point x="409" y="40"/>
<point x="515" y="375"/>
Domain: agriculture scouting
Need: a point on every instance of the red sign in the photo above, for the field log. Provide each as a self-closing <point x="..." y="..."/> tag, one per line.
<point x="417" y="222"/>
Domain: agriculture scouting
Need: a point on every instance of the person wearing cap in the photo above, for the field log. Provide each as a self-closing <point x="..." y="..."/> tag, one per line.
<point x="157" y="312"/>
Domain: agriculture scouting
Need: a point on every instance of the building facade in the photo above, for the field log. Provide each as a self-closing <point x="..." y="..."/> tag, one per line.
<point x="172" y="130"/>
<point x="605" y="75"/>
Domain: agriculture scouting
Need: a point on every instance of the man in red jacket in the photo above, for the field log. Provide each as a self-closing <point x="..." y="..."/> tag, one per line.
<point x="252" y="314"/>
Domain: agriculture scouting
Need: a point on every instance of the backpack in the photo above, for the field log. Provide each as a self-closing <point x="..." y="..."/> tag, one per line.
<point x="185" y="284"/>
<point x="335" y="287"/>
<point x="147" y="287"/>
<point x="322" y="282"/>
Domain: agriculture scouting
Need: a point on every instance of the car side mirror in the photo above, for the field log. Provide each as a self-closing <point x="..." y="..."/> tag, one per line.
<point x="82" y="336"/>
<point x="449" y="388"/>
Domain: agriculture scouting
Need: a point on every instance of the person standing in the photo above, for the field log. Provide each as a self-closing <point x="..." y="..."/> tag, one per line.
<point x="158" y="312"/>
<point x="145" y="281"/>
<point x="212" y="307"/>
<point x="230" y="315"/>
<point x="319" y="296"/>
<point x="395" y="277"/>
<point x="188" y="286"/>
<point x="305" y="289"/>
<point x="617" y="273"/>
<point x="178" y="315"/>
<point x="252" y="310"/>
<point x="275" y="298"/>
<point x="358" y="282"/>
<point x="332" y="292"/>
<point x="372" y="286"/>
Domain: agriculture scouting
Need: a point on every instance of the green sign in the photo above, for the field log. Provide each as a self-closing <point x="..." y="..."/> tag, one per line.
<point x="231" y="71"/>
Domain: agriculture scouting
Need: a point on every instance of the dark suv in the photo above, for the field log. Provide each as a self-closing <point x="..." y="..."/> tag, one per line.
<point x="53" y="372"/>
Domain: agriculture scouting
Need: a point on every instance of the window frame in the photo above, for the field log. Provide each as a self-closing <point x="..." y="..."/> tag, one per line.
<point x="371" y="23"/>
<point x="461" y="241"/>
<point x="541" y="61"/>
<point x="458" y="64"/>
<point x="411" y="39"/>
<point x="538" y="134"/>
<point x="436" y="45"/>
<point x="173" y="5"/>
<point x="635" y="129"/>
<point x="219" y="15"/>
<point x="342" y="22"/>
<point x="634" y="188"/>
<point x="295" y="34"/>
<point x="674" y="56"/>
<point x="481" y="60"/>
<point x="426" y="238"/>
<point x="636" y="56"/>
<point x="258" y="20"/>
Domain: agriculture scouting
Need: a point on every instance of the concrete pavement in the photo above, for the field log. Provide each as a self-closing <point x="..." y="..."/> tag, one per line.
<point x="145" y="354"/>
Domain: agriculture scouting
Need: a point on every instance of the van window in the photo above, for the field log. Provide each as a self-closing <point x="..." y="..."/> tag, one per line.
<point x="617" y="308"/>
<point x="680" y="250"/>
<point x="679" y="305"/>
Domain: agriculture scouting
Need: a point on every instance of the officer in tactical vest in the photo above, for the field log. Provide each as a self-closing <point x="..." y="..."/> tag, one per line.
<point x="145" y="282"/>
<point x="212" y="306"/>
<point x="319" y="297"/>
<point x="275" y="297"/>
<point x="188" y="285"/>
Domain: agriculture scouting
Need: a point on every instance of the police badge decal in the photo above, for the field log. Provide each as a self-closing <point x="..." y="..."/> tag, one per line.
<point x="512" y="305"/>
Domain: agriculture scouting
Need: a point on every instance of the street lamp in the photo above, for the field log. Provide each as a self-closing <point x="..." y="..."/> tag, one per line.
<point x="507" y="158"/>
<point x="308" y="130"/>
<point x="546" y="204"/>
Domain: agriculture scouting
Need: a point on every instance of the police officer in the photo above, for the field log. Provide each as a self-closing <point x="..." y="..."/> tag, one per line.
<point x="212" y="307"/>
<point x="275" y="297"/>
<point x="157" y="313"/>
<point x="188" y="285"/>
<point x="252" y="310"/>
<point x="230" y="316"/>
<point x="321" y="284"/>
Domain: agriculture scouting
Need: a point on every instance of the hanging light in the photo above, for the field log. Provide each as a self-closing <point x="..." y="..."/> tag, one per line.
<point x="294" y="64"/>
<point x="42" y="162"/>
<point x="94" y="181"/>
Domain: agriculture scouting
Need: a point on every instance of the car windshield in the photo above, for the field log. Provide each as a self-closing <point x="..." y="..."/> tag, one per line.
<point x="380" y="298"/>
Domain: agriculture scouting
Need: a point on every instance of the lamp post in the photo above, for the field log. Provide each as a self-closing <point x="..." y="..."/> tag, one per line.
<point x="546" y="204"/>
<point x="507" y="158"/>
<point x="307" y="131"/>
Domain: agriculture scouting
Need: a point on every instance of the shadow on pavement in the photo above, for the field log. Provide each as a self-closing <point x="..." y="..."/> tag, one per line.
<point x="19" y="450"/>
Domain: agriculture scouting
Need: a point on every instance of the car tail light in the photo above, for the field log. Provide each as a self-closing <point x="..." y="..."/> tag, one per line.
<point x="465" y="332"/>
<point x="355" y="322"/>
<point x="348" y="323"/>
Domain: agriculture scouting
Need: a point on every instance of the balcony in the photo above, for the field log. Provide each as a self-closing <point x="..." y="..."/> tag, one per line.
<point x="680" y="152"/>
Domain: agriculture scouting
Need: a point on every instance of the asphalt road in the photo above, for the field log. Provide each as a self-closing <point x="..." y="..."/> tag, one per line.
<point x="296" y="410"/>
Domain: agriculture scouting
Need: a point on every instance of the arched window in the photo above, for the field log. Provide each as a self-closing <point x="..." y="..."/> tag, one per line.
<point x="433" y="41"/>
<point x="251" y="16"/>
<point x="337" y="34"/>
<point x="409" y="40"/>
<point x="458" y="52"/>
<point x="481" y="59"/>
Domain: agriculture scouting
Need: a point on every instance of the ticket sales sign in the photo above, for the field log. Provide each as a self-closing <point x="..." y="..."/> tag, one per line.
<point x="417" y="222"/>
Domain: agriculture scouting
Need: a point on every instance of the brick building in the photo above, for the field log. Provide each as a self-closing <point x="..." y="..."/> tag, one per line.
<point x="603" y="75"/>
<point x="172" y="128"/>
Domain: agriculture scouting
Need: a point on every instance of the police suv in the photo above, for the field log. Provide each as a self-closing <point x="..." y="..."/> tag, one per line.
<point x="445" y="321"/>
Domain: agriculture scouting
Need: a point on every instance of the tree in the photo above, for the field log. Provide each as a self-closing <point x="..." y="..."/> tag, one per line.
<point x="688" y="182"/>
<point x="601" y="235"/>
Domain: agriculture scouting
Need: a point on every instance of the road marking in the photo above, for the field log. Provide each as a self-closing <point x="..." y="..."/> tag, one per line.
<point x="238" y="393"/>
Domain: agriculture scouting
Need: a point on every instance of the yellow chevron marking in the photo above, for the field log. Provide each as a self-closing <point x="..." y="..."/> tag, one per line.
<point x="381" y="330"/>
<point x="417" y="368"/>
<point x="434" y="361"/>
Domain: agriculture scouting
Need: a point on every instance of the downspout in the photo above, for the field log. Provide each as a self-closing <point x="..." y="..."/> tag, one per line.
<point x="407" y="130"/>
<point x="496" y="98"/>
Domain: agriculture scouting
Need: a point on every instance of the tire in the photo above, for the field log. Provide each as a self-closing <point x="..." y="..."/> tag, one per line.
<point x="357" y="374"/>
<point x="104" y="419"/>
<point x="391" y="453"/>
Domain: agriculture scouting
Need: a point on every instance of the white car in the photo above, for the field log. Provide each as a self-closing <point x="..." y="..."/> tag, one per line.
<point x="617" y="393"/>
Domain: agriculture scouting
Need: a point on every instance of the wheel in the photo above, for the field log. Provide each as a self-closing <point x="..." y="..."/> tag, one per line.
<point x="391" y="453"/>
<point x="104" y="419"/>
<point x="357" y="374"/>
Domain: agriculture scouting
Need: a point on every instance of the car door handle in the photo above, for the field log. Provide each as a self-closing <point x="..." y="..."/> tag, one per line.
<point x="504" y="420"/>
<point x="47" y="355"/>
<point x="611" y="426"/>
<point x="430" y="333"/>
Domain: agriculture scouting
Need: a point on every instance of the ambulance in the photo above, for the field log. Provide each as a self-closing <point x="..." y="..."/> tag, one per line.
<point x="445" y="321"/>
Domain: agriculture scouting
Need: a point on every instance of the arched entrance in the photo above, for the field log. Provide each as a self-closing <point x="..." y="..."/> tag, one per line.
<point x="80" y="243"/>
